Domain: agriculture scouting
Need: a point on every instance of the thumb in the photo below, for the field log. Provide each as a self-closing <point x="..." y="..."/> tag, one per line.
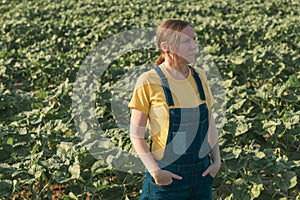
<point x="206" y="172"/>
<point x="175" y="176"/>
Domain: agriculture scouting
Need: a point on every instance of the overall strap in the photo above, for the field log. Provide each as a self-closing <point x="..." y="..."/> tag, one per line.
<point x="198" y="82"/>
<point x="165" y="85"/>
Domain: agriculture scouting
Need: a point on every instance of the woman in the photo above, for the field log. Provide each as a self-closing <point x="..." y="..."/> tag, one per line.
<point x="174" y="98"/>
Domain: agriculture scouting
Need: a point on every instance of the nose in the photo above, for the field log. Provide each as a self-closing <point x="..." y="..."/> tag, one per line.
<point x="193" y="45"/>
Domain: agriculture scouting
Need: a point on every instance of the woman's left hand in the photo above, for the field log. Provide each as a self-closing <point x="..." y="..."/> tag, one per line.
<point x="212" y="169"/>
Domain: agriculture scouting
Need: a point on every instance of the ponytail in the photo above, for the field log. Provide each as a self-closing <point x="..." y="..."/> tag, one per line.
<point x="160" y="59"/>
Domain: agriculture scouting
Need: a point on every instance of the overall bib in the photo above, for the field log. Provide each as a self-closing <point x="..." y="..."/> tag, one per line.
<point x="187" y="132"/>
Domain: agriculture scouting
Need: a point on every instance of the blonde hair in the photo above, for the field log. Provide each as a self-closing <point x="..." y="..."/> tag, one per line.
<point x="169" y="31"/>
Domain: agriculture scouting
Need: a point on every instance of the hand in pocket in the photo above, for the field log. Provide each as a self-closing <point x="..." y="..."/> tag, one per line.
<point x="164" y="177"/>
<point x="212" y="170"/>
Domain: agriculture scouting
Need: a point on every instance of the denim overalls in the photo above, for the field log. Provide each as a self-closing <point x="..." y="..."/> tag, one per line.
<point x="187" y="132"/>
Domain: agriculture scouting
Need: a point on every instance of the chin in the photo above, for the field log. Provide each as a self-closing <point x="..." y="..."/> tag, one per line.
<point x="190" y="61"/>
<point x="185" y="61"/>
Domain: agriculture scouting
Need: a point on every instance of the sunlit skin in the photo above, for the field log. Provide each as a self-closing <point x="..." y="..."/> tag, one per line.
<point x="187" y="46"/>
<point x="186" y="52"/>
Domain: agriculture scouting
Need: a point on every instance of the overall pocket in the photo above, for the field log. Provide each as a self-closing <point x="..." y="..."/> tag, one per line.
<point x="176" y="190"/>
<point x="179" y="142"/>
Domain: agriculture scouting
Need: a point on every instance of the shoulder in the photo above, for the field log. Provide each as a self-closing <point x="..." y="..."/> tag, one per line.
<point x="148" y="77"/>
<point x="201" y="73"/>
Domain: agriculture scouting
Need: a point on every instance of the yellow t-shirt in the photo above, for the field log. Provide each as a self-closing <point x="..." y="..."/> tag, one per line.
<point x="149" y="98"/>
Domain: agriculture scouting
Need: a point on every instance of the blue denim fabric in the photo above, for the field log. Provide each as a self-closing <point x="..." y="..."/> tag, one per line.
<point x="187" y="131"/>
<point x="192" y="186"/>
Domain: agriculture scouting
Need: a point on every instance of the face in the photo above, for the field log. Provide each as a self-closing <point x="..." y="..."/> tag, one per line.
<point x="187" y="46"/>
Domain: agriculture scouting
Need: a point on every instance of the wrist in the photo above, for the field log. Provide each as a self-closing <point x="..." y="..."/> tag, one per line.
<point x="217" y="162"/>
<point x="155" y="173"/>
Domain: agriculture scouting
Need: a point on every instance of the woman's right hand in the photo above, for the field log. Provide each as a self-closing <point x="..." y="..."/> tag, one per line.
<point x="164" y="177"/>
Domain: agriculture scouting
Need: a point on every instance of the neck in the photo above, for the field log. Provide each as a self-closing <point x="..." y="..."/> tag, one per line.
<point x="179" y="72"/>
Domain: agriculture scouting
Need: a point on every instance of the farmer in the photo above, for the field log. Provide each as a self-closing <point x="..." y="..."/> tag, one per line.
<point x="175" y="99"/>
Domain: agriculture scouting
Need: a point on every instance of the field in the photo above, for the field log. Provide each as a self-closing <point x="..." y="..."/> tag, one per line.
<point x="47" y="151"/>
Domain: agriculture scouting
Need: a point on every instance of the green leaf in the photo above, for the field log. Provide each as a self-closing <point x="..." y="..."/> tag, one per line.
<point x="270" y="126"/>
<point x="10" y="141"/>
<point x="70" y="195"/>
<point x="260" y="154"/>
<point x="291" y="119"/>
<point x="237" y="105"/>
<point x="286" y="180"/>
<point x="256" y="189"/>
<point x="237" y="152"/>
<point x="238" y="60"/>
<point x="60" y="176"/>
<point x="242" y="128"/>
<point x="240" y="189"/>
<point x="65" y="149"/>
<point x="36" y="170"/>
<point x="5" y="188"/>
<point x="23" y="131"/>
<point x="83" y="127"/>
<point x="293" y="81"/>
<point x="5" y="152"/>
<point x="75" y="170"/>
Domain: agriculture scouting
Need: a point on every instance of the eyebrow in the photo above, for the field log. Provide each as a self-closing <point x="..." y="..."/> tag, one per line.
<point x="187" y="38"/>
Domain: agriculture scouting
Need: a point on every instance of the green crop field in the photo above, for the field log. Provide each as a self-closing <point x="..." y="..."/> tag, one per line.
<point x="255" y="45"/>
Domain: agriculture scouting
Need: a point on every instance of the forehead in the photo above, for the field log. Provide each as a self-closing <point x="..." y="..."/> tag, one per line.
<point x="188" y="31"/>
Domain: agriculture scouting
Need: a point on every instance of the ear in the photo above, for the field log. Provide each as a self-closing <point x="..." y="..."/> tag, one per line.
<point x="164" y="47"/>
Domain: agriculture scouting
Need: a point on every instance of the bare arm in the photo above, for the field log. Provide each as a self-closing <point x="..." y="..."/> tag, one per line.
<point x="137" y="132"/>
<point x="215" y="152"/>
